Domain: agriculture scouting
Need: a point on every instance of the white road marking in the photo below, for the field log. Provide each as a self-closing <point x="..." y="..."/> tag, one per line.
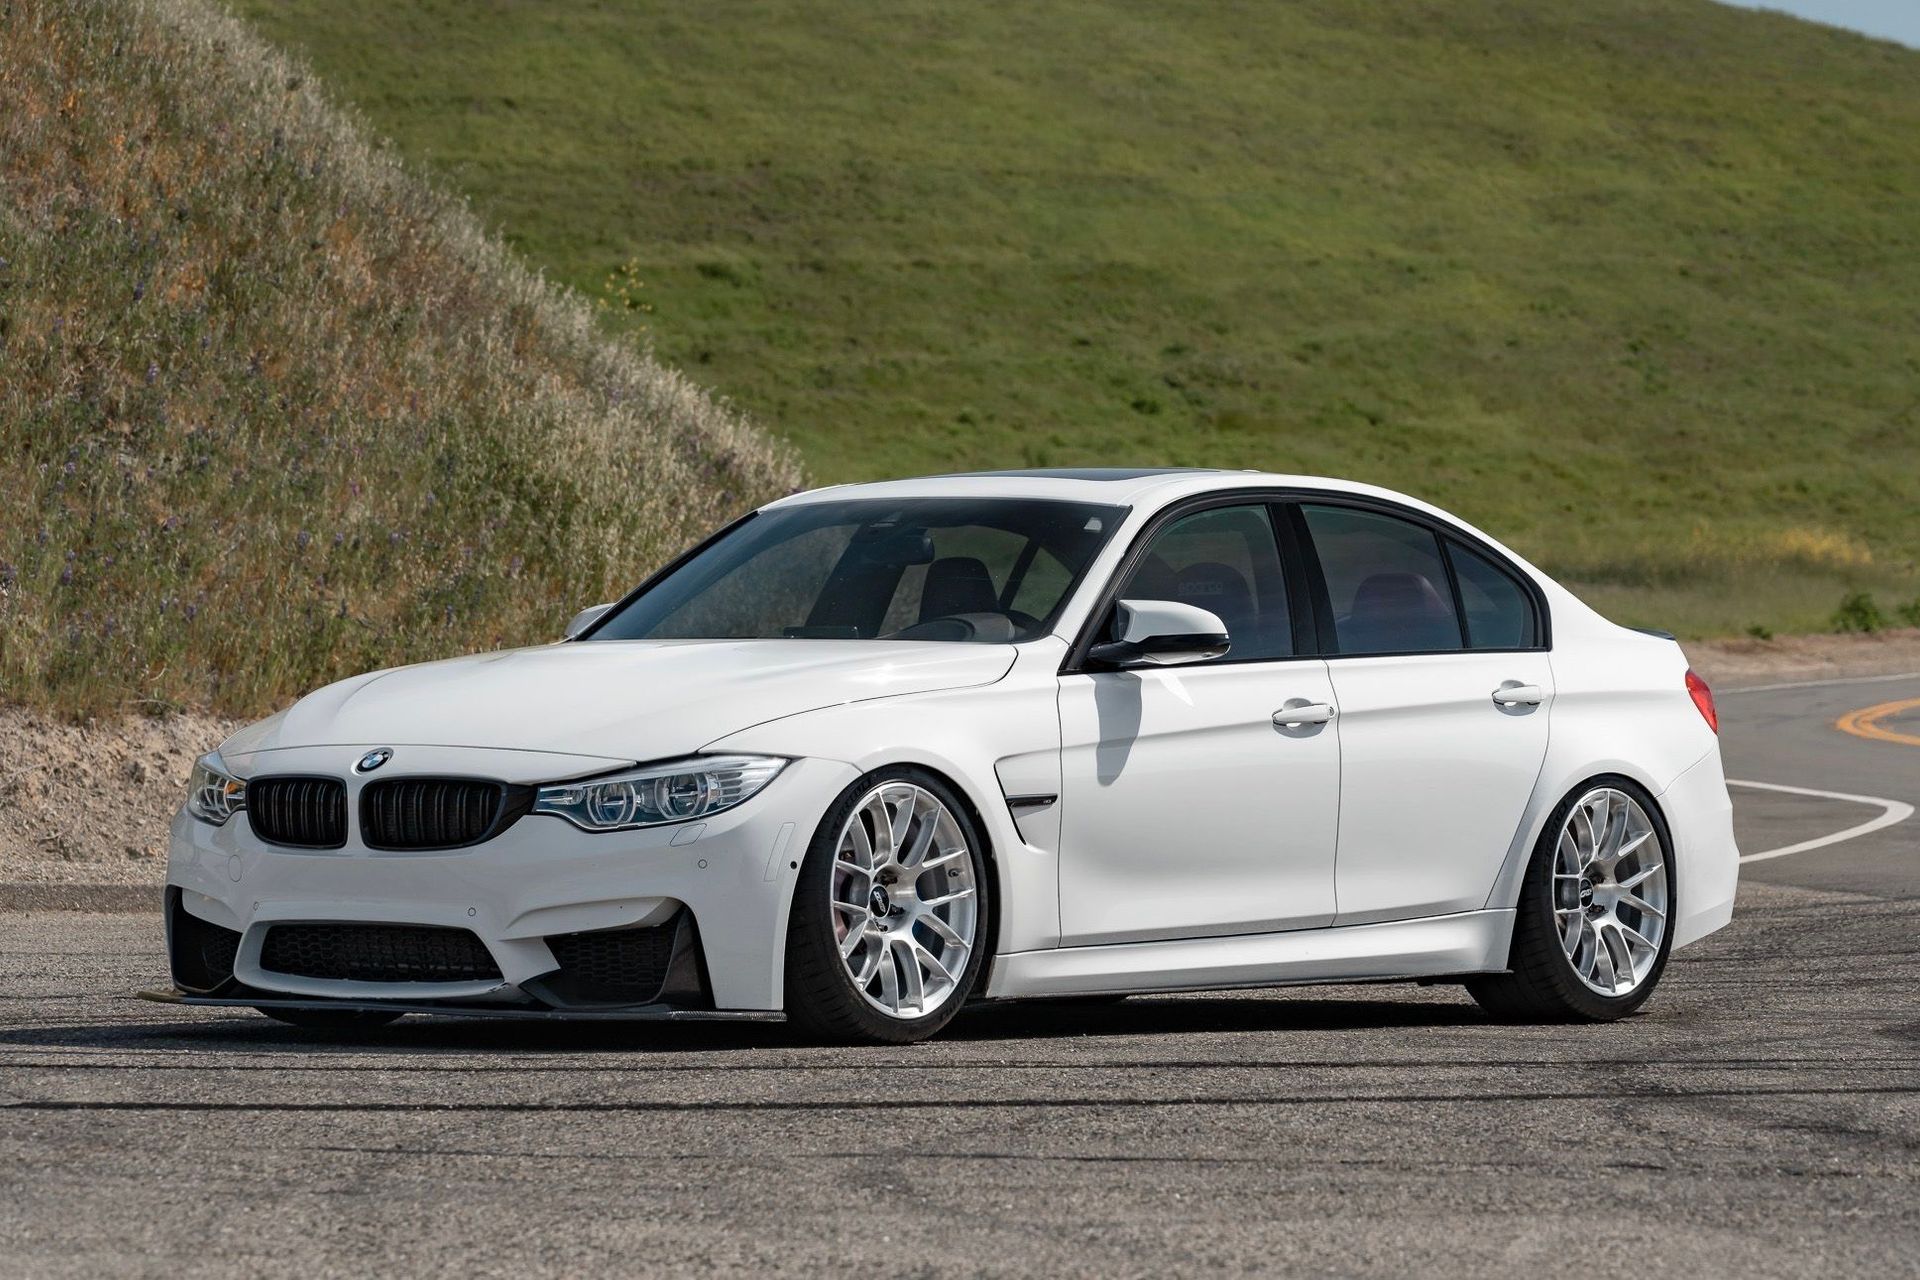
<point x="1892" y="811"/>
<point x="1818" y="684"/>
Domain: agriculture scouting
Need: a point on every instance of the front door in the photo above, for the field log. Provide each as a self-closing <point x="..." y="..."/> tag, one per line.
<point x="1191" y="805"/>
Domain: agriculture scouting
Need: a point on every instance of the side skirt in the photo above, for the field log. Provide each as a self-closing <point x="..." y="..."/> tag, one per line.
<point x="1437" y="946"/>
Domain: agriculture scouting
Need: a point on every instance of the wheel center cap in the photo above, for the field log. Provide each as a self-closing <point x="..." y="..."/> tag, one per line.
<point x="1586" y="893"/>
<point x="878" y="902"/>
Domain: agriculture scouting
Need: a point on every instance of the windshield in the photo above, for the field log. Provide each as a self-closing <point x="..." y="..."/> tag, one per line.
<point x="990" y="571"/>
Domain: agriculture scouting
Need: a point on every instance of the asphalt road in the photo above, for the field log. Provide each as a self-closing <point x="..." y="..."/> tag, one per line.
<point x="1761" y="1117"/>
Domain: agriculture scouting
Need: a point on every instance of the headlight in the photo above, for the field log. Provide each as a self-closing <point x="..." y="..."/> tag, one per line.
<point x="670" y="792"/>
<point x="213" y="794"/>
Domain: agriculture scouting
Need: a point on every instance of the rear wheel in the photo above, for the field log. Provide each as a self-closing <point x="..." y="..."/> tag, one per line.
<point x="1591" y="935"/>
<point x="890" y="919"/>
<point x="330" y="1019"/>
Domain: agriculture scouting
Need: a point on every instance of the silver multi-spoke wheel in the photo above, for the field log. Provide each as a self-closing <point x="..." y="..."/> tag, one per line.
<point x="904" y="902"/>
<point x="1610" y="891"/>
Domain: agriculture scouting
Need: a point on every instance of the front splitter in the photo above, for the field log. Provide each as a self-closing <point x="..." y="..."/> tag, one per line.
<point x="634" y="1013"/>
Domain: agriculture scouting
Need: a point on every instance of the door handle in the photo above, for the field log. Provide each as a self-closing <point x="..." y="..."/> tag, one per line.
<point x="1291" y="717"/>
<point x="1518" y="695"/>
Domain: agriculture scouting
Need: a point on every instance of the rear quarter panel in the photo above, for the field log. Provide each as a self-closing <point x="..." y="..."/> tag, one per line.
<point x="1621" y="707"/>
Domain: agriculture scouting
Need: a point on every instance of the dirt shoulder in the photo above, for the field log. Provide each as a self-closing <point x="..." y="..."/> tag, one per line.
<point x="88" y="804"/>
<point x="1733" y="664"/>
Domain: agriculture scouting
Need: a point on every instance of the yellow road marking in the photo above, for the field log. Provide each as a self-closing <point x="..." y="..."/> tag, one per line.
<point x="1865" y="723"/>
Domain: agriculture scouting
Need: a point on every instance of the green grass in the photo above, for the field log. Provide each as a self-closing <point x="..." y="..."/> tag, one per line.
<point x="274" y="410"/>
<point x="1633" y="283"/>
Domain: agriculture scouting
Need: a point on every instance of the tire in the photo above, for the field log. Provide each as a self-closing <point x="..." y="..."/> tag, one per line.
<point x="1601" y="875"/>
<point x="330" y="1019"/>
<point x="864" y="965"/>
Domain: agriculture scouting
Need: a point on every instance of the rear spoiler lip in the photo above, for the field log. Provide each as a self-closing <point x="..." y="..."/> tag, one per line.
<point x="1656" y="633"/>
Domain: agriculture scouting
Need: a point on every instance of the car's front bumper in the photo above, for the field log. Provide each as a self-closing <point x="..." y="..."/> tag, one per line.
<point x="730" y="875"/>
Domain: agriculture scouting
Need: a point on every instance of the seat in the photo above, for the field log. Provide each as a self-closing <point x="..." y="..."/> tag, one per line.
<point x="1223" y="591"/>
<point x="957" y="585"/>
<point x="1398" y="612"/>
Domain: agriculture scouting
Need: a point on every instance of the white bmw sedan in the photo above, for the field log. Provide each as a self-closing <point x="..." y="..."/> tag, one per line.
<point x="876" y="751"/>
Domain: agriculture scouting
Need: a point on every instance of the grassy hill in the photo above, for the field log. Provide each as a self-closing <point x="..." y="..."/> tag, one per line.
<point x="1634" y="283"/>
<point x="272" y="409"/>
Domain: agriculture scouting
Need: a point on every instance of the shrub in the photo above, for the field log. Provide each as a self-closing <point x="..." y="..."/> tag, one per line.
<point x="272" y="408"/>
<point x="1859" y="612"/>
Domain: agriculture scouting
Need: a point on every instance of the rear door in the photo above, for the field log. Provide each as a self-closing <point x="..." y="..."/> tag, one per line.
<point x="1444" y="688"/>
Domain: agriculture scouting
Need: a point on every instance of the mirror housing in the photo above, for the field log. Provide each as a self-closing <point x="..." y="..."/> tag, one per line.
<point x="586" y="618"/>
<point x="1161" y="633"/>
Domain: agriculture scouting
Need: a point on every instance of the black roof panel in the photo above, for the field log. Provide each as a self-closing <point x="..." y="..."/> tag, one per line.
<point x="1084" y="473"/>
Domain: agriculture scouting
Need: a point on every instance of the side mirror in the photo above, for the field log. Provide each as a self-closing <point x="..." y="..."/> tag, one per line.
<point x="1161" y="633"/>
<point x="586" y="618"/>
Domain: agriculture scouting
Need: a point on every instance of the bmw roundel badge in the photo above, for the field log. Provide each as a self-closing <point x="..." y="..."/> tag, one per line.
<point x="373" y="760"/>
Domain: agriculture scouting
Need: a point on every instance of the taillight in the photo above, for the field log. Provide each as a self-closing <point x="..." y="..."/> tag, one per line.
<point x="1703" y="699"/>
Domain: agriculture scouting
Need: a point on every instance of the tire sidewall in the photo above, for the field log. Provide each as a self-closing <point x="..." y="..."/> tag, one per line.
<point x="1536" y="901"/>
<point x="810" y="930"/>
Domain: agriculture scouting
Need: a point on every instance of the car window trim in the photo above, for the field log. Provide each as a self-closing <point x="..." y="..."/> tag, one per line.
<point x="1500" y="568"/>
<point x="1442" y="531"/>
<point x="1075" y="662"/>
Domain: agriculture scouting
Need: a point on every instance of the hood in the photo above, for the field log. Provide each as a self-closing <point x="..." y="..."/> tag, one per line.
<point x="618" y="700"/>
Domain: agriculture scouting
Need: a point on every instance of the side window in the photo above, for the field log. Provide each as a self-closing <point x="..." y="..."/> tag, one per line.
<point x="1224" y="560"/>
<point x="1386" y="581"/>
<point x="1499" y="611"/>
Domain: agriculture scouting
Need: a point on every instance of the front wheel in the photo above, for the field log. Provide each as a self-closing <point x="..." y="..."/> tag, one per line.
<point x="891" y="916"/>
<point x="1591" y="935"/>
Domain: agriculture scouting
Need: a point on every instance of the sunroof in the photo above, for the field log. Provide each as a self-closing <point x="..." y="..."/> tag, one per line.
<point x="1084" y="473"/>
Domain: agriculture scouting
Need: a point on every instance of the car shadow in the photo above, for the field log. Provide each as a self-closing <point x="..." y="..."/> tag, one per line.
<point x="1024" y="1021"/>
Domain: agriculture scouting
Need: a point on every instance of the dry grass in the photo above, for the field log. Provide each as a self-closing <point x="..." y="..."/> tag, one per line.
<point x="272" y="408"/>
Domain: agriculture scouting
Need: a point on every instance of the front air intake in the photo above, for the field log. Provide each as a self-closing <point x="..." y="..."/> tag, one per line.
<point x="201" y="952"/>
<point x="303" y="813"/>
<point x="377" y="953"/>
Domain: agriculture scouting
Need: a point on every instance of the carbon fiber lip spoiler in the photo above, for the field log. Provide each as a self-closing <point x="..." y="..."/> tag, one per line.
<point x="638" y="1013"/>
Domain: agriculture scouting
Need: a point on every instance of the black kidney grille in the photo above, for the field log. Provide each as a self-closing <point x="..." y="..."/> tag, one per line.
<point x="437" y="813"/>
<point x="377" y="953"/>
<point x="307" y="813"/>
<point x="615" y="965"/>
